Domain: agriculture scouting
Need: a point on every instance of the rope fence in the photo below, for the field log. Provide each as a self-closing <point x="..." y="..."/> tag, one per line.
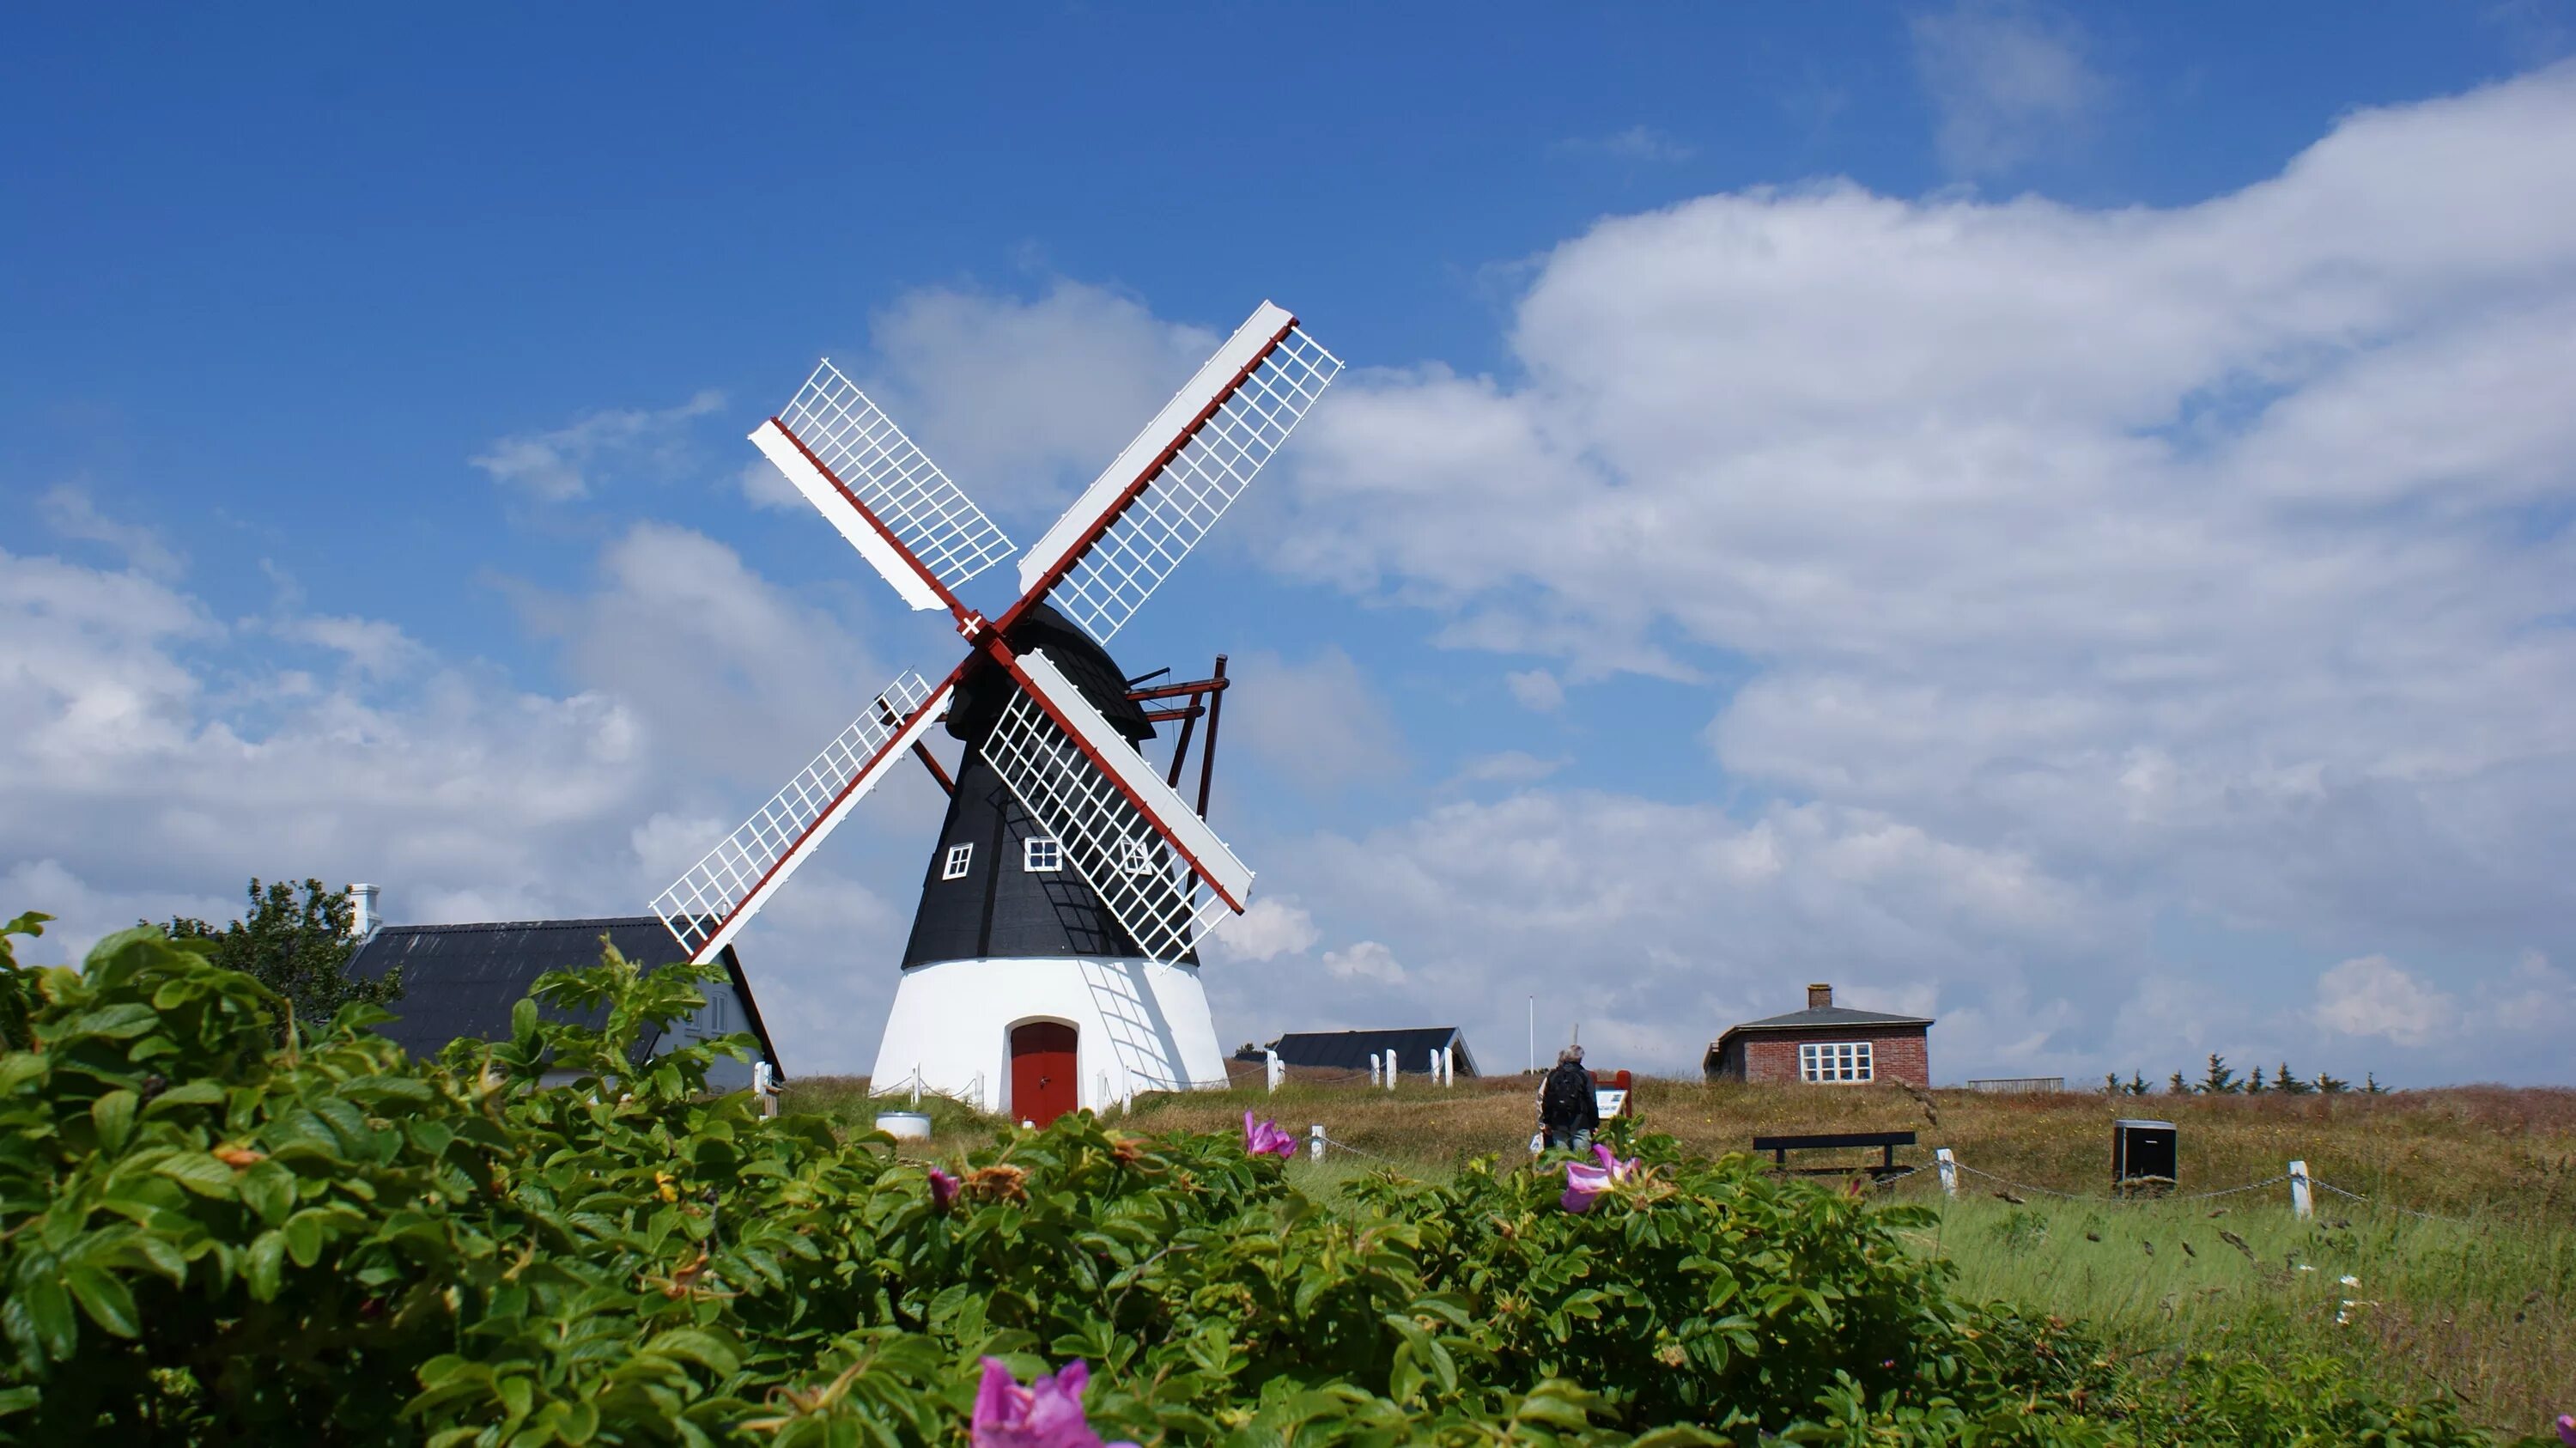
<point x="1319" y="1142"/>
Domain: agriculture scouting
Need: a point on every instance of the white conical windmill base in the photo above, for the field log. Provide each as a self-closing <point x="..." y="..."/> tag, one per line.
<point x="1139" y="1025"/>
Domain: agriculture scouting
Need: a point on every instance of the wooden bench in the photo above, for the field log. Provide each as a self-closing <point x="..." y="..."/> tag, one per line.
<point x="1886" y="1141"/>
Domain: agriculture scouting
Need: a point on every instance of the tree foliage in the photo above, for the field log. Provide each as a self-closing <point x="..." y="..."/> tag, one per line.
<point x="298" y="947"/>
<point x="212" y="1232"/>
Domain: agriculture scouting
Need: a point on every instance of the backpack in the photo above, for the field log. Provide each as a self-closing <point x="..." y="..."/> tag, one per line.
<point x="1567" y="1096"/>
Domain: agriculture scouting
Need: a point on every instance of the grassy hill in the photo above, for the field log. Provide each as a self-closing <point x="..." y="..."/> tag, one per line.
<point x="2477" y="1301"/>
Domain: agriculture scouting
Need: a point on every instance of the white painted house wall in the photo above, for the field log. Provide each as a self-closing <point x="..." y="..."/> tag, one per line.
<point x="1139" y="1025"/>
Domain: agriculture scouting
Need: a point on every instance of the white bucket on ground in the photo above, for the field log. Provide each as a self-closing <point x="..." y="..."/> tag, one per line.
<point x="904" y="1125"/>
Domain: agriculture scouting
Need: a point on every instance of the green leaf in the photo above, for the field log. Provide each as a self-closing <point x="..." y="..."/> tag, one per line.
<point x="49" y="1311"/>
<point x="191" y="1093"/>
<point x="105" y="1299"/>
<point x="113" y="1115"/>
<point x="304" y="1237"/>
<point x="268" y="1188"/>
<point x="523" y="1023"/>
<point x="199" y="1172"/>
<point x="267" y="1261"/>
<point x="692" y="1345"/>
<point x="19" y="1400"/>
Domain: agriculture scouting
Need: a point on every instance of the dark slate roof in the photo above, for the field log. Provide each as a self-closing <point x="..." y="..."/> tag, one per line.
<point x="460" y="981"/>
<point x="1828" y="1016"/>
<point x="1350" y="1050"/>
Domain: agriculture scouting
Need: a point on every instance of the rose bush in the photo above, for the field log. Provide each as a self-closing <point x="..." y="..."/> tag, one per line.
<point x="213" y="1230"/>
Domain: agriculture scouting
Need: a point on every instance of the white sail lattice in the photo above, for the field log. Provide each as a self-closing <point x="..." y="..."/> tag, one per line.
<point x="705" y="906"/>
<point x="928" y="514"/>
<point x="1184" y="497"/>
<point x="1164" y="906"/>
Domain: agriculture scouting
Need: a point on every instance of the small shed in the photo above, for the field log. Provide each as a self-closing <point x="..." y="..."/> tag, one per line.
<point x="460" y="982"/>
<point x="1350" y="1050"/>
<point x="1825" y="1044"/>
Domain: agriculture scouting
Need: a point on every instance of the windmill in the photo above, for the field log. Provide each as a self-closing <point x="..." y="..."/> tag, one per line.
<point x="1053" y="959"/>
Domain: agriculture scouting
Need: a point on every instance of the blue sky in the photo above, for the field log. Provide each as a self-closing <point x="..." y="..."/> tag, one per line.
<point x="2051" y="517"/>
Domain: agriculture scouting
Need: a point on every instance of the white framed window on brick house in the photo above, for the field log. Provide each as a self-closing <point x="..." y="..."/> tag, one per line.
<point x="954" y="867"/>
<point x="1040" y="855"/>
<point x="1833" y="1061"/>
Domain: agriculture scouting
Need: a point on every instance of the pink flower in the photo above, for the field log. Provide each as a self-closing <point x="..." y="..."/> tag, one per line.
<point x="1265" y="1138"/>
<point x="943" y="1189"/>
<point x="2567" y="1429"/>
<point x="1585" y="1183"/>
<point x="1045" y="1414"/>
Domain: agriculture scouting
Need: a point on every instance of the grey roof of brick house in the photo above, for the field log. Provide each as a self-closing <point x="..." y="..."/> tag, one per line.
<point x="1827" y="1016"/>
<point x="1350" y="1050"/>
<point x="461" y="981"/>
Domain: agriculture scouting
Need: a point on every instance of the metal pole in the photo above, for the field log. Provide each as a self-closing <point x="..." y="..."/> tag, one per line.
<point x="1207" y="751"/>
<point x="1181" y="750"/>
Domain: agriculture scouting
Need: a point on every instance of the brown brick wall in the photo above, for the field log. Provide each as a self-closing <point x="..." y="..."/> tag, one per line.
<point x="1897" y="1053"/>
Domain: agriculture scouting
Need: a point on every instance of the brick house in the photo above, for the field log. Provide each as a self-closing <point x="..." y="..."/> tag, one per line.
<point x="1825" y="1043"/>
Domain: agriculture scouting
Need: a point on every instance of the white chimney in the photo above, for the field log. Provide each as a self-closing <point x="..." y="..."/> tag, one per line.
<point x="363" y="917"/>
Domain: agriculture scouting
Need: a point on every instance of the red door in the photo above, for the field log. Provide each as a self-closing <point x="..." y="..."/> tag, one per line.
<point x="1042" y="1080"/>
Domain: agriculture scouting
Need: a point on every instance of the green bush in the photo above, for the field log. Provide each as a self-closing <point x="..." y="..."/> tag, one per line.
<point x="214" y="1234"/>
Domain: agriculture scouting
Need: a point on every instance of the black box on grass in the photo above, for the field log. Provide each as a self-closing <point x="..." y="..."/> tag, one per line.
<point x="2142" y="1149"/>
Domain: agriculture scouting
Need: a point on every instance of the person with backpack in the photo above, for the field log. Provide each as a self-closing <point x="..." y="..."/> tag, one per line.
<point x="1568" y="1113"/>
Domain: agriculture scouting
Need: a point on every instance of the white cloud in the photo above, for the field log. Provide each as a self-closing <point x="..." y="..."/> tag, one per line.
<point x="1637" y="143"/>
<point x="149" y="763"/>
<point x="73" y="514"/>
<point x="1366" y="960"/>
<point x="2370" y="996"/>
<point x="1508" y="766"/>
<point x="2008" y="80"/>
<point x="1319" y="722"/>
<point x="564" y="463"/>
<point x="2023" y="518"/>
<point x="1267" y="929"/>
<point x="1536" y="689"/>
<point x="1021" y="401"/>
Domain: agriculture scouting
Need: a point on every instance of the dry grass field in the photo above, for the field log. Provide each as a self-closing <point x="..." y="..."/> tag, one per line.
<point x="2481" y="1306"/>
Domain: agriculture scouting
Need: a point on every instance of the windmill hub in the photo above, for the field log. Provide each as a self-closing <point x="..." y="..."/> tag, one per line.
<point x="1053" y="961"/>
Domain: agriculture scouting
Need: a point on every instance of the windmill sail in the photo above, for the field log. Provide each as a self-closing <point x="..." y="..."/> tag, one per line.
<point x="1155" y="864"/>
<point x="880" y="490"/>
<point x="707" y="906"/>
<point x="1153" y="503"/>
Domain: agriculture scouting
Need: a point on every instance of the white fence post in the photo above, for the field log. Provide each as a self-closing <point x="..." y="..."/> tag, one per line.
<point x="1448" y="1065"/>
<point x="1315" y="1141"/>
<point x="2300" y="1202"/>
<point x="1372" y="1068"/>
<point x="1949" y="1172"/>
<point x="1271" y="1070"/>
<point x="1390" y="1070"/>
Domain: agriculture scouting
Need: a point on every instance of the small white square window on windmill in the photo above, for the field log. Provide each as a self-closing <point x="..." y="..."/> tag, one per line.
<point x="1135" y="858"/>
<point x="1041" y="855"/>
<point x="954" y="868"/>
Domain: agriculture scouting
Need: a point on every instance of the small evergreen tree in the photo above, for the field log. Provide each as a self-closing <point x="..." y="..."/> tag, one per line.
<point x="298" y="948"/>
<point x="2177" y="1086"/>
<point x="2254" y="1084"/>
<point x="2220" y="1080"/>
<point x="2137" y="1084"/>
<point x="2288" y="1081"/>
<point x="2370" y="1084"/>
<point x="2332" y="1085"/>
